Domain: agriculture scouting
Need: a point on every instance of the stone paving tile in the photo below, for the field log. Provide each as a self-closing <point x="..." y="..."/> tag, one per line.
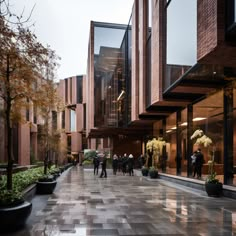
<point x="85" y="205"/>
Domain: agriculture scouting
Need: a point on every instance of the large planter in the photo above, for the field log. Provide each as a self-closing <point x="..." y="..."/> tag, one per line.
<point x="14" y="217"/>
<point x="145" y="171"/>
<point x="45" y="187"/>
<point x="214" y="189"/>
<point x="153" y="174"/>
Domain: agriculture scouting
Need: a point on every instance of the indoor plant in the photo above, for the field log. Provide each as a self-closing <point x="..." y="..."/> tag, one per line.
<point x="154" y="150"/>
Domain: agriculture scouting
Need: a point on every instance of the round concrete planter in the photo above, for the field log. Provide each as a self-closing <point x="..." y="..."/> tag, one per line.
<point x="214" y="189"/>
<point x="14" y="217"/>
<point x="45" y="187"/>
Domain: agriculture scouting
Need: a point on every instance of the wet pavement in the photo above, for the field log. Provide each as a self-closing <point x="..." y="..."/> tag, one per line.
<point x="84" y="204"/>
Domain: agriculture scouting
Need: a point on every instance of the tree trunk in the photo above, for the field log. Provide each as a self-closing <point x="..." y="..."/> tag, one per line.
<point x="46" y="163"/>
<point x="8" y="129"/>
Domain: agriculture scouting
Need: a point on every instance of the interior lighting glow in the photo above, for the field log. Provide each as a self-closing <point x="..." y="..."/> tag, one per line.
<point x="199" y="118"/>
<point x="122" y="92"/>
<point x="184" y="124"/>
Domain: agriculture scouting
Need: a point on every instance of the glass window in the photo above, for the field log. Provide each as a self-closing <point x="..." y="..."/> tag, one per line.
<point x="171" y="144"/>
<point x="63" y="119"/>
<point x="181" y="39"/>
<point x="54" y="120"/>
<point x="234" y="10"/>
<point x="150" y="13"/>
<point x="79" y="89"/>
<point x="234" y="136"/>
<point x="72" y="121"/>
<point x="109" y="77"/>
<point x="208" y="116"/>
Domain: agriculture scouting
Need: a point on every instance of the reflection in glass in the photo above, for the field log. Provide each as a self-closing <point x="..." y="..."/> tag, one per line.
<point x="181" y="39"/>
<point x="111" y="83"/>
<point x="234" y="10"/>
<point x="72" y="121"/>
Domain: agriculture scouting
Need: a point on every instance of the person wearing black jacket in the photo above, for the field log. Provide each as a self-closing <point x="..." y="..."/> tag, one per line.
<point x="199" y="163"/>
<point x="131" y="164"/>
<point x="104" y="167"/>
<point x="96" y="164"/>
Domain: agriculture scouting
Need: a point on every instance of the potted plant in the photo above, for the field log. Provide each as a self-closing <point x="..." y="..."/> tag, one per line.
<point x="145" y="171"/>
<point x="22" y="58"/>
<point x="153" y="172"/>
<point x="154" y="150"/>
<point x="213" y="186"/>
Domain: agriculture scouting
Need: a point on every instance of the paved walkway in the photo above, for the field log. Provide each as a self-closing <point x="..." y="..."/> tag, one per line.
<point x="84" y="204"/>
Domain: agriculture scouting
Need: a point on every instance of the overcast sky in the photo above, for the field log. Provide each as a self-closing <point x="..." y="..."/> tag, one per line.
<point x="64" y="25"/>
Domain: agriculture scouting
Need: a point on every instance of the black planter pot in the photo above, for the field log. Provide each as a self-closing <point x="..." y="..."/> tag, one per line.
<point x="214" y="189"/>
<point x="145" y="172"/>
<point x="14" y="217"/>
<point x="153" y="174"/>
<point x="44" y="187"/>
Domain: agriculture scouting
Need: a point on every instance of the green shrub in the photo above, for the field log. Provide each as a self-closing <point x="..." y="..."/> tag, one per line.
<point x="10" y="197"/>
<point x="87" y="162"/>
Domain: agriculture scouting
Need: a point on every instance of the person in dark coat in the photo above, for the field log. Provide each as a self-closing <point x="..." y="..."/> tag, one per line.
<point x="193" y="162"/>
<point x="131" y="164"/>
<point x="120" y="163"/>
<point x="104" y="167"/>
<point x="199" y="163"/>
<point x="124" y="164"/>
<point x="115" y="164"/>
<point x="95" y="164"/>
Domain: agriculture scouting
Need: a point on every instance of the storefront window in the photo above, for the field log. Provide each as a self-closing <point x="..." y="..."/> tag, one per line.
<point x="171" y="144"/>
<point x="234" y="135"/>
<point x="182" y="126"/>
<point x="208" y="115"/>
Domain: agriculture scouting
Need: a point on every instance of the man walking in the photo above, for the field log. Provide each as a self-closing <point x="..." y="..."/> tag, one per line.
<point x="199" y="163"/>
<point x="104" y="167"/>
<point x="96" y="163"/>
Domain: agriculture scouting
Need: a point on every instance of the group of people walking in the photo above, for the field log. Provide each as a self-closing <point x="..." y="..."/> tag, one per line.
<point x="124" y="164"/>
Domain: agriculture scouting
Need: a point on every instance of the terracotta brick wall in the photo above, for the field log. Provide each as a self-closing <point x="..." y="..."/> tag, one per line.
<point x="211" y="45"/>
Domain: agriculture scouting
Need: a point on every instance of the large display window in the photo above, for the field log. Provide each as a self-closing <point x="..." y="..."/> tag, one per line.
<point x="208" y="116"/>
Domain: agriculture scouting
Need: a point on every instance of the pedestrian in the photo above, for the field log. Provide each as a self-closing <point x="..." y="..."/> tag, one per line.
<point x="141" y="161"/>
<point x="95" y="164"/>
<point x="104" y="166"/>
<point x="124" y="164"/>
<point x="199" y="163"/>
<point x="115" y="163"/>
<point x="120" y="163"/>
<point x="131" y="164"/>
<point x="193" y="163"/>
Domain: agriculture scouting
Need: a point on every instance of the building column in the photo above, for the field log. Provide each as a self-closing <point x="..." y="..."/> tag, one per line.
<point x="228" y="135"/>
<point x="178" y="143"/>
<point x="189" y="141"/>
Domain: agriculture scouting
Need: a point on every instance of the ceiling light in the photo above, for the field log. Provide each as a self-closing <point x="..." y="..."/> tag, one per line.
<point x="184" y="124"/>
<point x="122" y="92"/>
<point x="199" y="118"/>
